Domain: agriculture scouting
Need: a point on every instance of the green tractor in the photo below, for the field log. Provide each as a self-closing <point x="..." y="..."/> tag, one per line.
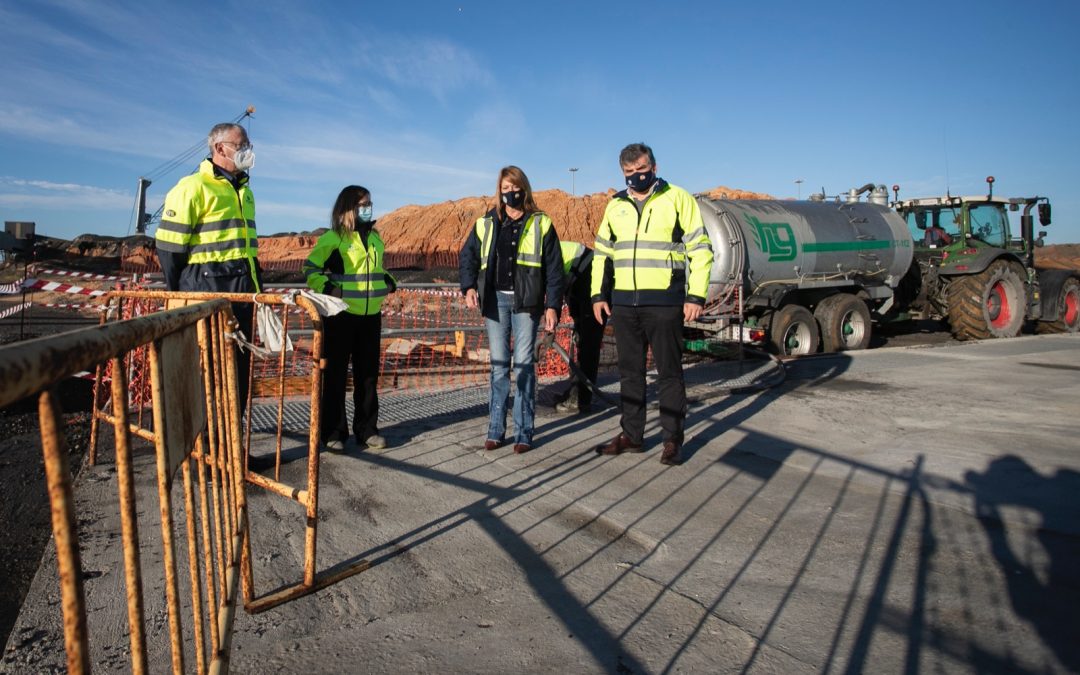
<point x="971" y="271"/>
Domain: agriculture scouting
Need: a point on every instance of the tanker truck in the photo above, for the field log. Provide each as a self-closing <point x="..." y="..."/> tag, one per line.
<point x="804" y="275"/>
<point x="799" y="276"/>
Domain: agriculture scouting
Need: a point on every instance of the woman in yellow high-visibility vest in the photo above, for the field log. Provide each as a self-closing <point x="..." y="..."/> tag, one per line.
<point x="511" y="269"/>
<point x="347" y="262"/>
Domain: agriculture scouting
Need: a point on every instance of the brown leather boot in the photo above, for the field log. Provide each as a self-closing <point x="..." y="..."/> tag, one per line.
<point x="618" y="445"/>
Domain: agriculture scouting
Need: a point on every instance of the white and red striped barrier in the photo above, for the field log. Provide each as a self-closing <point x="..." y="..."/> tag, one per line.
<point x="78" y="306"/>
<point x="12" y="288"/>
<point x="58" y="287"/>
<point x="33" y="269"/>
<point x="11" y="311"/>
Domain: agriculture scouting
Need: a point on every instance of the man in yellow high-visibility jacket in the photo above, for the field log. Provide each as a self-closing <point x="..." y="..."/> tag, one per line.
<point x="654" y="236"/>
<point x="207" y="241"/>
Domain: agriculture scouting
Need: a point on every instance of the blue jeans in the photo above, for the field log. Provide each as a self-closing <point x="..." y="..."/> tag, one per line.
<point x="523" y="325"/>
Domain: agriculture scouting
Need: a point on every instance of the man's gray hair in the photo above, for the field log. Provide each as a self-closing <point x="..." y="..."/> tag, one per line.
<point x="219" y="131"/>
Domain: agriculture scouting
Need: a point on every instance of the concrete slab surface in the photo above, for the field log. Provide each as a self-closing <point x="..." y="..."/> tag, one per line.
<point x="894" y="510"/>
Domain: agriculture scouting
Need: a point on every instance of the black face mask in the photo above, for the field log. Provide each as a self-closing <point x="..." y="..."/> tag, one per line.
<point x="514" y="199"/>
<point x="641" y="182"/>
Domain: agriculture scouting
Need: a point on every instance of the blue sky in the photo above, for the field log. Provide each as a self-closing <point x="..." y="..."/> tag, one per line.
<point x="422" y="102"/>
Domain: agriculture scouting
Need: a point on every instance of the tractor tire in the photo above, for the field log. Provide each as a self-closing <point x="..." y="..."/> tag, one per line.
<point x="844" y="320"/>
<point x="1068" y="301"/>
<point x="793" y="331"/>
<point x="987" y="305"/>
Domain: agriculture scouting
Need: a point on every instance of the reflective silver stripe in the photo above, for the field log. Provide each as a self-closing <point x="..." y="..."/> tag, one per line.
<point x="600" y="241"/>
<point x="370" y="293"/>
<point x="695" y="235"/>
<point x="660" y="264"/>
<point x="229" y="224"/>
<point x="173" y="226"/>
<point x="647" y="245"/>
<point x="700" y="246"/>
<point x="360" y="278"/>
<point x="229" y="245"/>
<point x="485" y="242"/>
<point x="170" y="247"/>
<point x="536" y="257"/>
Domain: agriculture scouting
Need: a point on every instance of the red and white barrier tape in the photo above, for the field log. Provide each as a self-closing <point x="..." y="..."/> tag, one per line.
<point x="11" y="311"/>
<point x="80" y="305"/>
<point x="57" y="287"/>
<point x="12" y="288"/>
<point x="77" y="275"/>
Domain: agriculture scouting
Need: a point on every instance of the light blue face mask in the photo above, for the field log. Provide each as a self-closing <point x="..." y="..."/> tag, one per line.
<point x="364" y="213"/>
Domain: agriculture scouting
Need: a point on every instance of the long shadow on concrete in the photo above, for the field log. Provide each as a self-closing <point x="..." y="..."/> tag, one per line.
<point x="903" y="550"/>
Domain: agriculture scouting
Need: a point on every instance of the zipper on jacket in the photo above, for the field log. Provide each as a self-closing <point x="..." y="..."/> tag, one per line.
<point x="247" y="241"/>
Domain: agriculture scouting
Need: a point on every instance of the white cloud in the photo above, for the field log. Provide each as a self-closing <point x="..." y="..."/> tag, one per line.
<point x="23" y="193"/>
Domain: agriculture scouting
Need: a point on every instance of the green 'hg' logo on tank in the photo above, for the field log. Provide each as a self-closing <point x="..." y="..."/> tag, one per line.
<point x="777" y="240"/>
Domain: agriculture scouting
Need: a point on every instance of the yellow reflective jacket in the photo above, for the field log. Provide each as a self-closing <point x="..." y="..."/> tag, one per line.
<point x="662" y="257"/>
<point x="207" y="238"/>
<point x="344" y="261"/>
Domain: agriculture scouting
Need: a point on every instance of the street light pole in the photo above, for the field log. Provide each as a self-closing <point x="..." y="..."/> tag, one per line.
<point x="573" y="177"/>
<point x="799" y="182"/>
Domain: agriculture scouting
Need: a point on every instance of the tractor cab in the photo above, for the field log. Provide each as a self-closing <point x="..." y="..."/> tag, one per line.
<point x="954" y="230"/>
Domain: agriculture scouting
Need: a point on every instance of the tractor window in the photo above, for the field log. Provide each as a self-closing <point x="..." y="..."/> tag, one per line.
<point x="988" y="224"/>
<point x="934" y="227"/>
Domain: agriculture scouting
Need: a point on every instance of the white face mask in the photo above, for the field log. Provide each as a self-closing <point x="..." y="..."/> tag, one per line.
<point x="364" y="213"/>
<point x="244" y="158"/>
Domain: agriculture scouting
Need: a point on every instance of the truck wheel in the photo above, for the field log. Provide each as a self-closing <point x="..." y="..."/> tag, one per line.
<point x="1068" y="320"/>
<point x="845" y="323"/>
<point x="987" y="305"/>
<point x="793" y="331"/>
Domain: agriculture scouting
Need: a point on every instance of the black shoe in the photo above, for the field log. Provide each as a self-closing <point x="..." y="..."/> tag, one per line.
<point x="618" y="446"/>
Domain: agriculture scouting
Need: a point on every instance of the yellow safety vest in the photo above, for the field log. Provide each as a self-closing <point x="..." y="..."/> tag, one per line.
<point x="530" y="250"/>
<point x="364" y="280"/>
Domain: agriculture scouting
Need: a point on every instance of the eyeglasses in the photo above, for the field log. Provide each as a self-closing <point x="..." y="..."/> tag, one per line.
<point x="240" y="146"/>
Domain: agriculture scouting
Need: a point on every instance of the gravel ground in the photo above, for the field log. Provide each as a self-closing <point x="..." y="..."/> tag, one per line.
<point x="24" y="509"/>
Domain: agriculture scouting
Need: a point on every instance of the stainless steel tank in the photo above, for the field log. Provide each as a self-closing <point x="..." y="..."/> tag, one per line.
<point x="803" y="243"/>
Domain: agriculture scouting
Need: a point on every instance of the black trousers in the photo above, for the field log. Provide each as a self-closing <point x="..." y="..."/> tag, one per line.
<point x="590" y="338"/>
<point x="637" y="329"/>
<point x="351" y="337"/>
<point x="244" y="313"/>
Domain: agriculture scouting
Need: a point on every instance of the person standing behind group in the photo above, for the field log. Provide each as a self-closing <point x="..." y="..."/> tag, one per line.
<point x="588" y="334"/>
<point x="654" y="235"/>
<point x="207" y="241"/>
<point x="511" y="269"/>
<point x="347" y="262"/>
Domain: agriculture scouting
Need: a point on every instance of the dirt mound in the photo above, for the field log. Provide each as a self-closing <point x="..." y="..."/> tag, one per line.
<point x="443" y="227"/>
<point x="1058" y="256"/>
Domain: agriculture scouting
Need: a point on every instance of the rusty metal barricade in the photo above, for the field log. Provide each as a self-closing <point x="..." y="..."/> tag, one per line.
<point x="196" y="424"/>
<point x="302" y="377"/>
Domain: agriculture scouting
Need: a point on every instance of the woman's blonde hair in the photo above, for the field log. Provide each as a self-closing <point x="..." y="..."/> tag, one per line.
<point x="343" y="217"/>
<point x="518" y="178"/>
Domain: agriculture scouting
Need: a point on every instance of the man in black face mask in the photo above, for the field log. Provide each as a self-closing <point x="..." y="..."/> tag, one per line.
<point x="654" y="236"/>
